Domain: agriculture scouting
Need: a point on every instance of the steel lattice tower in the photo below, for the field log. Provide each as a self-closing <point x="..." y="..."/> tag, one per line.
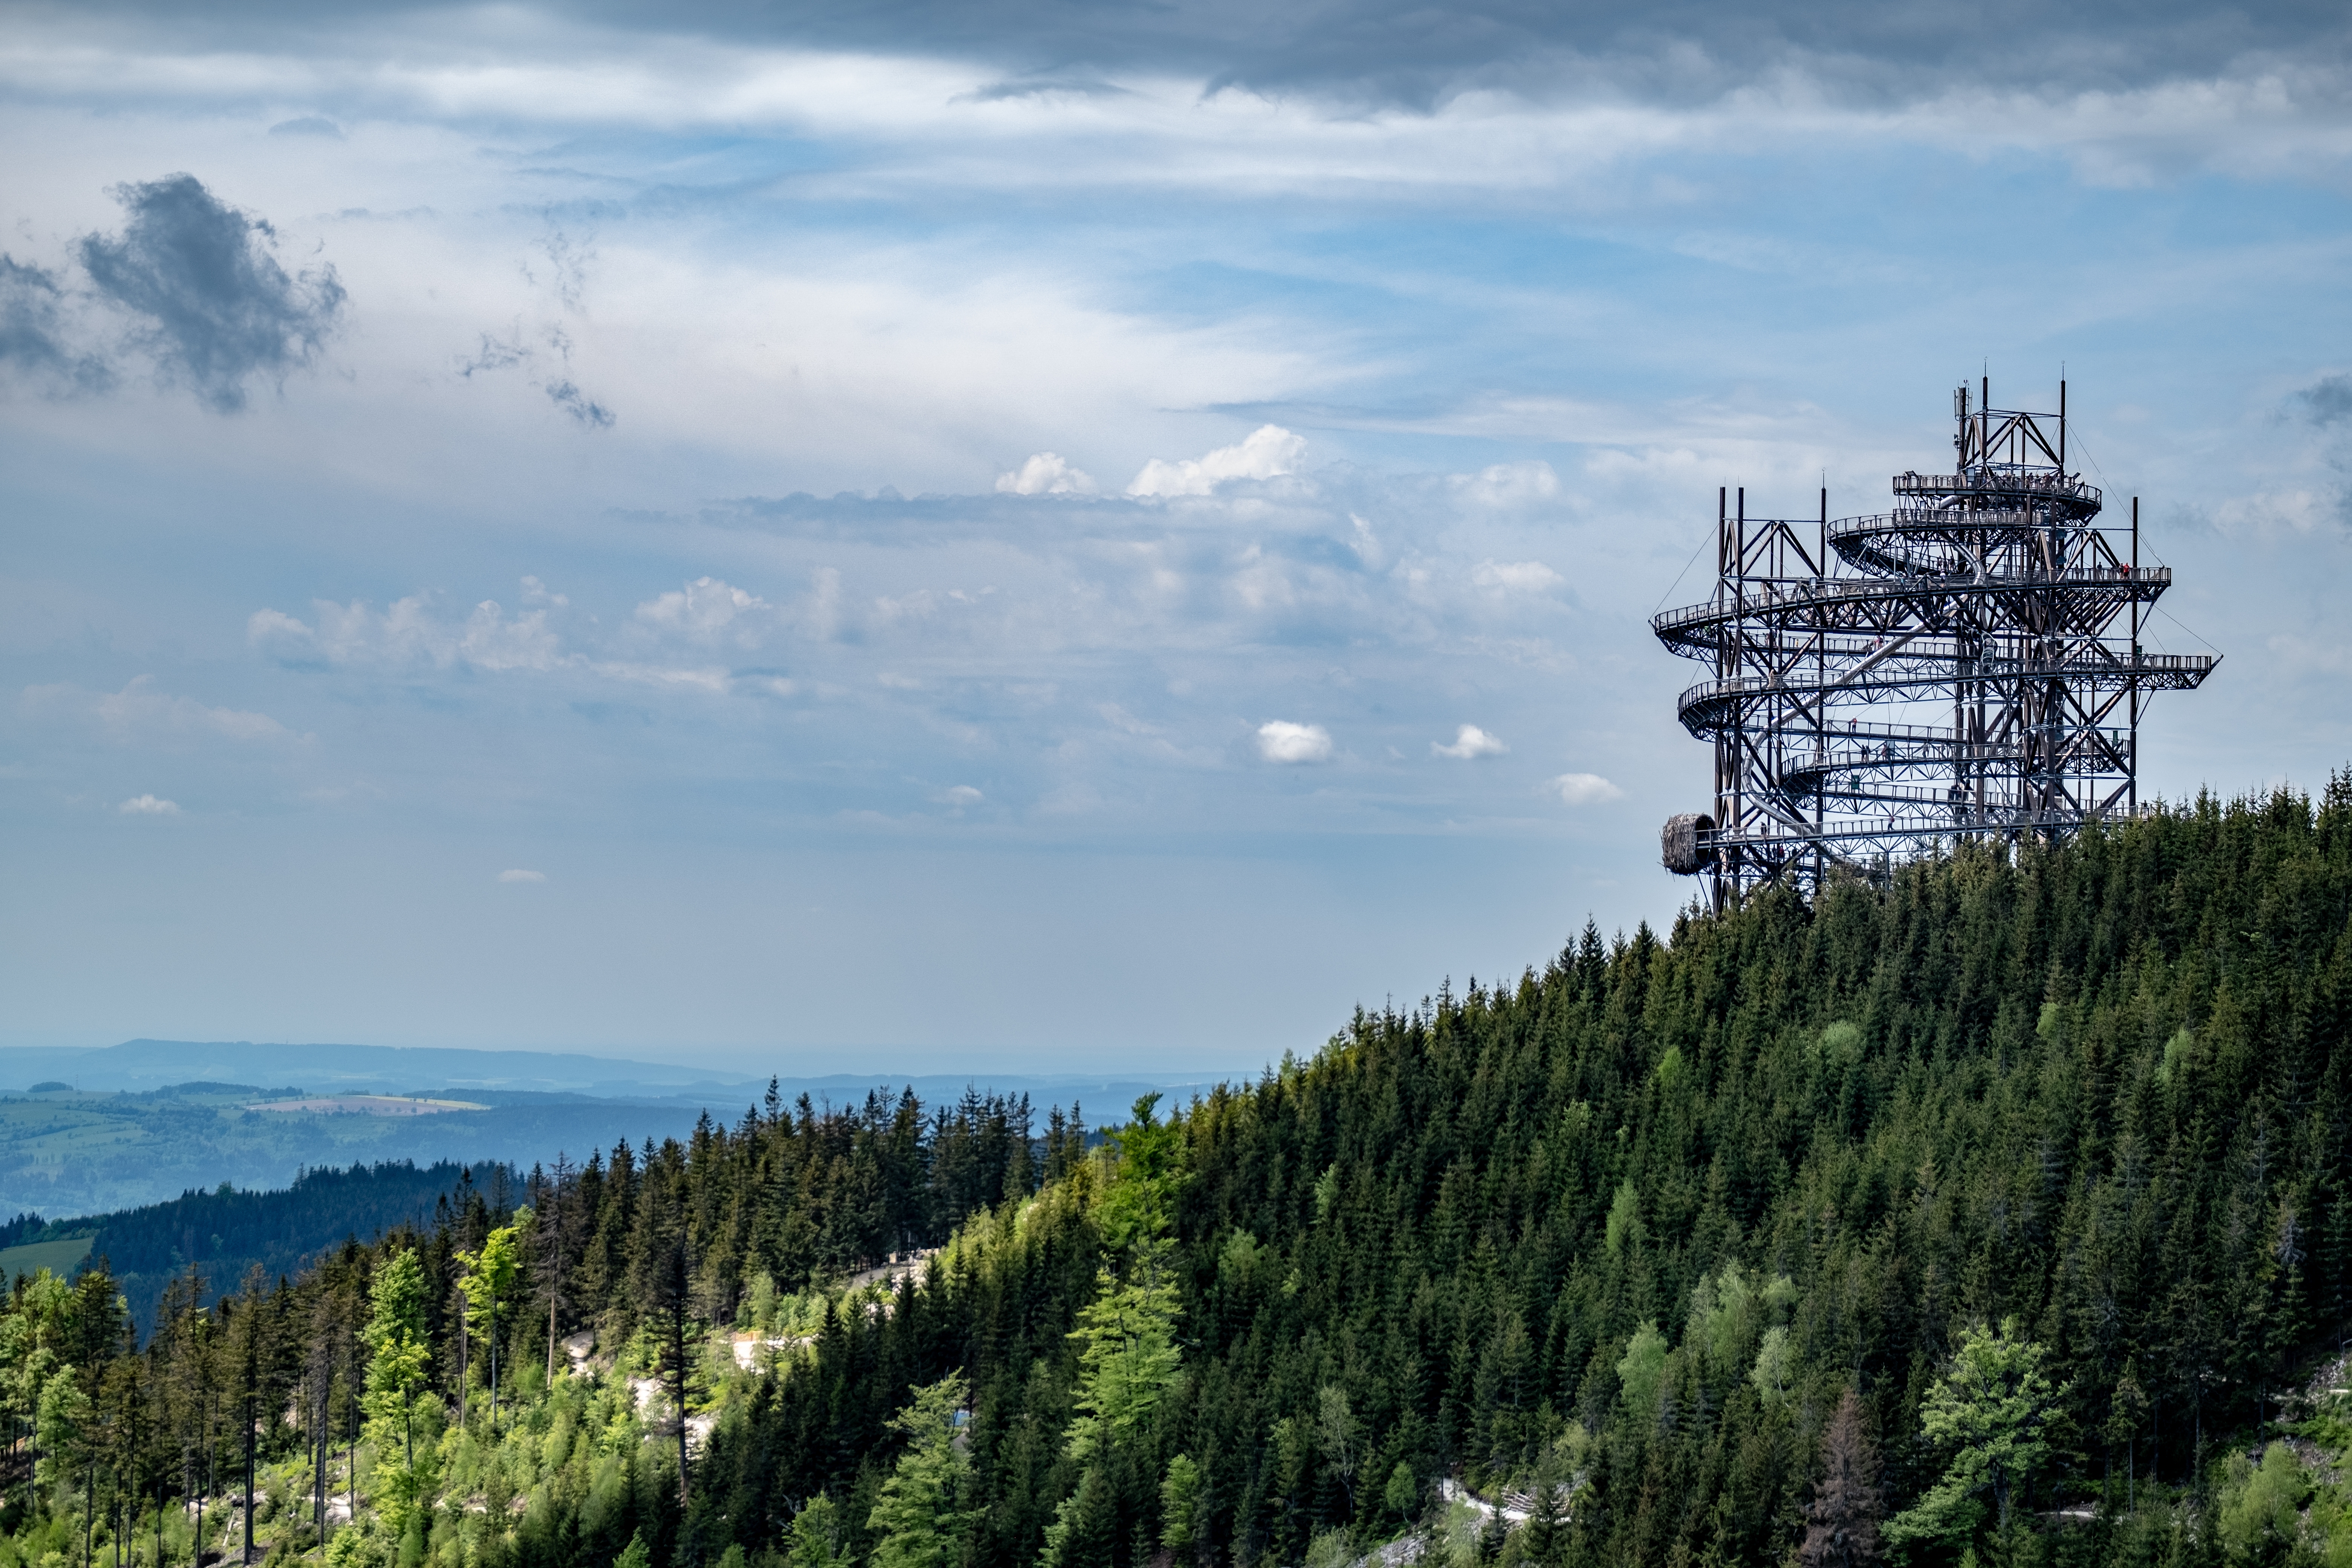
<point x="1965" y="665"/>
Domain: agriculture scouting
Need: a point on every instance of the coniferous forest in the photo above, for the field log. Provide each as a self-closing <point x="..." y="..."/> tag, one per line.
<point x="1996" y="1214"/>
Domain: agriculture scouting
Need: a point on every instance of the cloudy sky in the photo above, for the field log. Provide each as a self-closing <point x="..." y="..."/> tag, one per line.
<point x="1031" y="534"/>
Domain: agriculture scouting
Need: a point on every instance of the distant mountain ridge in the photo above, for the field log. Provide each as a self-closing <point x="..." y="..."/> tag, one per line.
<point x="144" y="1066"/>
<point x="350" y="1069"/>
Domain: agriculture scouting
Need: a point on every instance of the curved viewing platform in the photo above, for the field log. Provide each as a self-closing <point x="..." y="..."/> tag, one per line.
<point x="1939" y="543"/>
<point x="1796" y="597"/>
<point x="1714" y="705"/>
<point x="2067" y="490"/>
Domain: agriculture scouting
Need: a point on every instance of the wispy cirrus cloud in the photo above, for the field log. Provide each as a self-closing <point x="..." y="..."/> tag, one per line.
<point x="140" y="710"/>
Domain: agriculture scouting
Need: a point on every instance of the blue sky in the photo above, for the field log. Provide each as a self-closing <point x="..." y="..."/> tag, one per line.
<point x="1035" y="537"/>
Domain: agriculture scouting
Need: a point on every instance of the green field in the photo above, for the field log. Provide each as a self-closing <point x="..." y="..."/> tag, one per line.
<point x="59" y="1257"/>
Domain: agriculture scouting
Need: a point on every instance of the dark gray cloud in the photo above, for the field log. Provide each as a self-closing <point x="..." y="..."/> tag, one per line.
<point x="215" y="307"/>
<point x="34" y="337"/>
<point x="499" y="354"/>
<point x="577" y="404"/>
<point x="1415" y="53"/>
<point x="2327" y="400"/>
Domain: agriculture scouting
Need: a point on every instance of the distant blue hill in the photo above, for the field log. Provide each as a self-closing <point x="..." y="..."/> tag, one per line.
<point x="144" y="1066"/>
<point x="138" y="1065"/>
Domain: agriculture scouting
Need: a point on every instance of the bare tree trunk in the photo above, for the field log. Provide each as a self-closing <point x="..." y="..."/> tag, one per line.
<point x="248" y="1479"/>
<point x="464" y="1350"/>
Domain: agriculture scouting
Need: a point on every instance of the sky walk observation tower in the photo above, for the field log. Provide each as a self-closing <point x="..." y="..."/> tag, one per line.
<point x="1967" y="665"/>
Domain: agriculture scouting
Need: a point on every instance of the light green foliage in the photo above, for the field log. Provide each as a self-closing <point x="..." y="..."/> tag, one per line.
<point x="490" y="1284"/>
<point x="1624" y="1217"/>
<point x="758" y="1309"/>
<point x="1774" y="1365"/>
<point x="29" y="1338"/>
<point x="1326" y="1192"/>
<point x="1840" y="1046"/>
<point x="1992" y="1412"/>
<point x="1138" y="1204"/>
<point x="634" y="1554"/>
<point x="816" y="1536"/>
<point x="62" y="1427"/>
<point x="1403" y="1492"/>
<point x="1670" y="1070"/>
<point x="1330" y="1548"/>
<point x="2261" y="1505"/>
<point x="1639" y="1370"/>
<point x="1240" y="1259"/>
<point x="921" y="1516"/>
<point x="1725" y="1310"/>
<point x="1179" y="1502"/>
<point x="1339" y="1434"/>
<point x="490" y="1274"/>
<point x="2175" y="1051"/>
<point x="1128" y="1357"/>
<point x="399" y="1363"/>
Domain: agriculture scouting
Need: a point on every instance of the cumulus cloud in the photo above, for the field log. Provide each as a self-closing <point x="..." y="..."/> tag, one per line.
<point x="1515" y="576"/>
<point x="706" y="610"/>
<point x="215" y="307"/>
<point x="408" y="631"/>
<point x="1266" y="453"/>
<point x="1046" y="474"/>
<point x="519" y="875"/>
<point x="1280" y="740"/>
<point x="1471" y="742"/>
<point x="148" y="806"/>
<point x="1584" y="789"/>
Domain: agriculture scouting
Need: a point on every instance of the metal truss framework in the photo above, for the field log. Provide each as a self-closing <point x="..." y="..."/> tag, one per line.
<point x="1967" y="665"/>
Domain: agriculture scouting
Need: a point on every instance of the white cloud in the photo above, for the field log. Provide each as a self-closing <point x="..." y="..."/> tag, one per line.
<point x="1515" y="576"/>
<point x="955" y="797"/>
<point x="703" y="610"/>
<point x="1471" y="742"/>
<point x="1267" y="452"/>
<point x="1584" y="789"/>
<point x="408" y="632"/>
<point x="661" y="675"/>
<point x="2270" y="513"/>
<point x="140" y="711"/>
<point x="518" y="874"/>
<point x="1279" y="741"/>
<point x="148" y="806"/>
<point x="1509" y="484"/>
<point x="1046" y="474"/>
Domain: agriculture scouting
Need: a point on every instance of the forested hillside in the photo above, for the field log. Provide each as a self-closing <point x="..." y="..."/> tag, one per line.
<point x="226" y="1232"/>
<point x="1997" y="1215"/>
